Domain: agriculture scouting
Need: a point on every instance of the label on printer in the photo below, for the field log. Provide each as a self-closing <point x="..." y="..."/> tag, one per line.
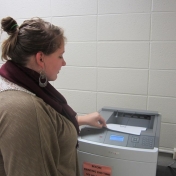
<point x="91" y="169"/>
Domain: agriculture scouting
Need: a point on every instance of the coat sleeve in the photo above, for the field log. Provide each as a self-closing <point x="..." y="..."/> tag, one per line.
<point x="24" y="148"/>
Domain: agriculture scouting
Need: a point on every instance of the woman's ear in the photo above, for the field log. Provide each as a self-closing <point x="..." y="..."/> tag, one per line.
<point x="39" y="59"/>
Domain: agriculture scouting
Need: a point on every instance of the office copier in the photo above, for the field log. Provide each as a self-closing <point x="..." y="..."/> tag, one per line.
<point x="128" y="146"/>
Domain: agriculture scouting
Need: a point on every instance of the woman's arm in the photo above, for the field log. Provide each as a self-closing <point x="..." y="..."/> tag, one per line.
<point x="93" y="119"/>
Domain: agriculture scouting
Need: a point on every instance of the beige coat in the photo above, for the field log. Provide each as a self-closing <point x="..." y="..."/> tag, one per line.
<point x="35" y="140"/>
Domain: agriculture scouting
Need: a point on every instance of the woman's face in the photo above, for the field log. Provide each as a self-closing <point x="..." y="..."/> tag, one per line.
<point x="54" y="62"/>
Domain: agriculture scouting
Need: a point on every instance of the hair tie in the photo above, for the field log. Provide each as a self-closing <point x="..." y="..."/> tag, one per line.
<point x="14" y="26"/>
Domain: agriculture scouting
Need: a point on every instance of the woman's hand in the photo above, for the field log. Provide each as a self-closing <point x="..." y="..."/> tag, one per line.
<point x="93" y="119"/>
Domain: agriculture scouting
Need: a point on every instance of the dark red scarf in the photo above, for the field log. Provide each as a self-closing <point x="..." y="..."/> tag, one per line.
<point x="29" y="79"/>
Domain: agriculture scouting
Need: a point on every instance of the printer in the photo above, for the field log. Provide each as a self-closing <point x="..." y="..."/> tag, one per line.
<point x="129" y="148"/>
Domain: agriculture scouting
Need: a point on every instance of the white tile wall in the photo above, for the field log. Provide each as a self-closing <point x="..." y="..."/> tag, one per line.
<point x="76" y="7"/>
<point x="77" y="78"/>
<point x="124" y="6"/>
<point x="163" y="26"/>
<point x="121" y="101"/>
<point x="80" y="28"/>
<point x="80" y="101"/>
<point x="25" y="8"/>
<point x="164" y="5"/>
<point x="124" y="27"/>
<point x="163" y="55"/>
<point x="165" y="106"/>
<point x="119" y="53"/>
<point x="85" y="55"/>
<point x="3" y="36"/>
<point x="162" y="83"/>
<point x="128" y="81"/>
<point x="167" y="138"/>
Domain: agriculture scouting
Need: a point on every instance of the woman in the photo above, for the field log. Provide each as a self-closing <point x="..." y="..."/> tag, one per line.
<point x="38" y="129"/>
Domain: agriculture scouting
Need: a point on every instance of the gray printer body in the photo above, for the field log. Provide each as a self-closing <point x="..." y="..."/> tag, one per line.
<point x="125" y="154"/>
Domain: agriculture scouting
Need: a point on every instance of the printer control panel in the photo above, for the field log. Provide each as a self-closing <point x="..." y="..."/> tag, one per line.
<point x="117" y="138"/>
<point x="141" y="141"/>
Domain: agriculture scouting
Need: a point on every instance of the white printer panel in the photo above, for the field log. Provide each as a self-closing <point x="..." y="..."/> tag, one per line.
<point x="121" y="167"/>
<point x="119" y="152"/>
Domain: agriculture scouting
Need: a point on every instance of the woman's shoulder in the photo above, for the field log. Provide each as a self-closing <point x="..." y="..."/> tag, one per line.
<point x="21" y="100"/>
<point x="25" y="107"/>
<point x="25" y="104"/>
<point x="16" y="99"/>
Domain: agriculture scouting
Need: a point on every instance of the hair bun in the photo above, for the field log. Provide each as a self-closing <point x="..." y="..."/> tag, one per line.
<point x="9" y="25"/>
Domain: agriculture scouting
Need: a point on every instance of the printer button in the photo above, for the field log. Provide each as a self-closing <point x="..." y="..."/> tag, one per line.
<point x="135" y="139"/>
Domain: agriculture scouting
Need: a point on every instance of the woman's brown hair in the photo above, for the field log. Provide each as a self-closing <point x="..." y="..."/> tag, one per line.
<point x="32" y="36"/>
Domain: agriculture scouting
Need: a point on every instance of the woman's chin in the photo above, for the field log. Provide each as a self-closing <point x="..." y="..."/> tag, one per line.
<point x="53" y="79"/>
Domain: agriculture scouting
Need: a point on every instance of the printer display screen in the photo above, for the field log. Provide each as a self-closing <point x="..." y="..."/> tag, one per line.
<point x="116" y="138"/>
